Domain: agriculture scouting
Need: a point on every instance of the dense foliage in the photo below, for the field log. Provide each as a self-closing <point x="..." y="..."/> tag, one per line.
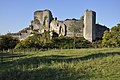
<point x="35" y="41"/>
<point x="112" y="38"/>
<point x="7" y="42"/>
<point x="43" y="41"/>
<point x="68" y="43"/>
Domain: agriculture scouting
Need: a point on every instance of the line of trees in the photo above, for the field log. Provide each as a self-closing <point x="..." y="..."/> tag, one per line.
<point x="43" y="41"/>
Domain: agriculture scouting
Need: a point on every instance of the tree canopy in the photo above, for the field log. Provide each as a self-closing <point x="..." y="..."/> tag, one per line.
<point x="112" y="38"/>
<point x="7" y="42"/>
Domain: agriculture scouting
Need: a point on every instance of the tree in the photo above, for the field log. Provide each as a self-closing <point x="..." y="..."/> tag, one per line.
<point x="30" y="42"/>
<point x="112" y="38"/>
<point x="7" y="42"/>
<point x="34" y="41"/>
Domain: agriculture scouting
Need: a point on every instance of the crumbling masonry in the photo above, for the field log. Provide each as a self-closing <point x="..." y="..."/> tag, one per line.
<point x="44" y="21"/>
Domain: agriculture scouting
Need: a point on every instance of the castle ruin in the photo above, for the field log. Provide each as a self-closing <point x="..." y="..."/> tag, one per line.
<point x="86" y="26"/>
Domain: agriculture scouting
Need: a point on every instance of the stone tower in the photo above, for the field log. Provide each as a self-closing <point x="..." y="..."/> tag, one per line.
<point x="89" y="25"/>
<point x="43" y="17"/>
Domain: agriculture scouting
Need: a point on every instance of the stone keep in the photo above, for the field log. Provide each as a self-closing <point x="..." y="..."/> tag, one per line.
<point x="89" y="25"/>
<point x="42" y="17"/>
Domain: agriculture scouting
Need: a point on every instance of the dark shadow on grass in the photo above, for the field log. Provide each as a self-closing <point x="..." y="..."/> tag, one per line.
<point x="94" y="56"/>
<point x="48" y="73"/>
<point x="4" y="56"/>
<point x="58" y="58"/>
<point x="43" y="74"/>
<point x="9" y="55"/>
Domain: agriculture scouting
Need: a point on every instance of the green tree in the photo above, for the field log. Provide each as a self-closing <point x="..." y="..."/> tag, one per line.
<point x="112" y="38"/>
<point x="7" y="42"/>
<point x="30" y="42"/>
<point x="35" y="41"/>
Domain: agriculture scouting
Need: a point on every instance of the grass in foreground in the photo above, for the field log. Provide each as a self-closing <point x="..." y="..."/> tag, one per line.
<point x="82" y="64"/>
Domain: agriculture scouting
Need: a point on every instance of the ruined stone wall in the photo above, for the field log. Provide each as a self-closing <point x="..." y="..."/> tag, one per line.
<point x="42" y="18"/>
<point x="43" y="21"/>
<point x="74" y="23"/>
<point x="100" y="31"/>
<point x="58" y="27"/>
<point x="38" y="15"/>
<point x="47" y="17"/>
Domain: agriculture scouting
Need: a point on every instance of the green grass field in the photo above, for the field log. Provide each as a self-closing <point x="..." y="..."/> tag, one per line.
<point x="76" y="64"/>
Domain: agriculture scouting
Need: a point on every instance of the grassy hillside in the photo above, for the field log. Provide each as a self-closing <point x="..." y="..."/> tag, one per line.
<point x="77" y="64"/>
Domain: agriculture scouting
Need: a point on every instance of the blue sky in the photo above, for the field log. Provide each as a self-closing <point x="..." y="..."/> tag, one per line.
<point x="17" y="14"/>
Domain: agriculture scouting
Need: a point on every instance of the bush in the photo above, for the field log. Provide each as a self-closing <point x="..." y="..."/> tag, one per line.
<point x="67" y="43"/>
<point x="112" y="38"/>
<point x="7" y="42"/>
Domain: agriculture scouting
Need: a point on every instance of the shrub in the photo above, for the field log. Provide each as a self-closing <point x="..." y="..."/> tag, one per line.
<point x="7" y="42"/>
<point x="112" y="38"/>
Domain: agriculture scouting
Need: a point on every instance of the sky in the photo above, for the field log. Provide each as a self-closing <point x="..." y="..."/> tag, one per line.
<point x="18" y="14"/>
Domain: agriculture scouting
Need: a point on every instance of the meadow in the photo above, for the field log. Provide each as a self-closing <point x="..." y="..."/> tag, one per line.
<point x="63" y="64"/>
